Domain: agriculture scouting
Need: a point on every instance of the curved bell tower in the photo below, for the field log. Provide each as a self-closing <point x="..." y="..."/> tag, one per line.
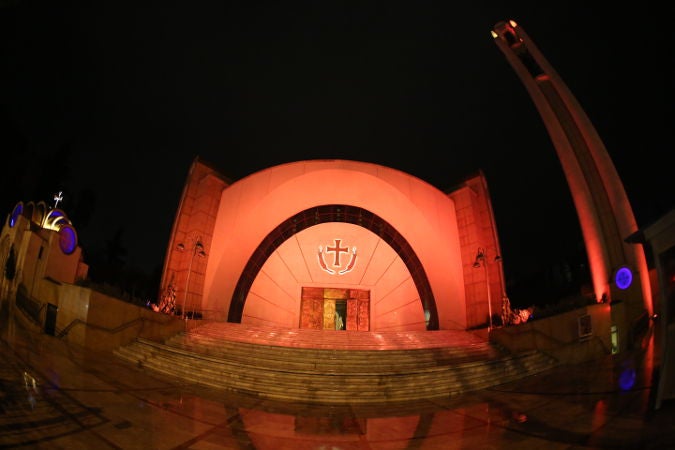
<point x="618" y="269"/>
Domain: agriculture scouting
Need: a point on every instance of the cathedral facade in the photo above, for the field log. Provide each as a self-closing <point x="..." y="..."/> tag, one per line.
<point x="334" y="245"/>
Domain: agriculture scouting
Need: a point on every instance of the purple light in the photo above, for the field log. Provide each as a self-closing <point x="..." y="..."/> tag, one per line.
<point x="18" y="210"/>
<point x="67" y="239"/>
<point x="627" y="378"/>
<point x="623" y="278"/>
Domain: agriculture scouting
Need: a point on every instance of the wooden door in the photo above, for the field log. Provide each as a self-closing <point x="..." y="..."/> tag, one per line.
<point x="318" y="309"/>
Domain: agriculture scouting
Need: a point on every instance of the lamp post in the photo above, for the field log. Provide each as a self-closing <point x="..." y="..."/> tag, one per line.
<point x="197" y="250"/>
<point x="481" y="259"/>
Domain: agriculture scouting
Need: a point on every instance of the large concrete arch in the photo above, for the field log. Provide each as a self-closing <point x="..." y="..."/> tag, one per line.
<point x="424" y="217"/>
<point x="335" y="214"/>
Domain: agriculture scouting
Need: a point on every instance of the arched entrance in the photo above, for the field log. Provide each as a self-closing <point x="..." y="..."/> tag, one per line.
<point x="334" y="213"/>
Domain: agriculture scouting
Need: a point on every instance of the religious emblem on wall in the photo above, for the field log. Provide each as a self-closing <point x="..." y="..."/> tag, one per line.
<point x="340" y="265"/>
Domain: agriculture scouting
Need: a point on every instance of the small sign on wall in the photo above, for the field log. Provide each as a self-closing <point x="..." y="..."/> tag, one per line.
<point x="585" y="327"/>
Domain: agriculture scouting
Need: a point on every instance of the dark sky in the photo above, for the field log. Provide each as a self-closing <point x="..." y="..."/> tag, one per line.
<point x="136" y="93"/>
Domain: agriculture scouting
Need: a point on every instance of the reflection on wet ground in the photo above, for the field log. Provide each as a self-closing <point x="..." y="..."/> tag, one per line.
<point x="55" y="395"/>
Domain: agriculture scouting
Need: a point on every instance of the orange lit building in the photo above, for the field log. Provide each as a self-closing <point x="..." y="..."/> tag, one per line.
<point x="334" y="244"/>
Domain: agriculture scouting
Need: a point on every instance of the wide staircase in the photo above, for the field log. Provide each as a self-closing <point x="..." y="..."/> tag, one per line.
<point x="333" y="367"/>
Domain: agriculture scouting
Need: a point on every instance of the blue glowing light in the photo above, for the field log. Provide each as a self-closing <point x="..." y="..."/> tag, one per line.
<point x="18" y="210"/>
<point x="623" y="278"/>
<point x="627" y="378"/>
<point x="67" y="239"/>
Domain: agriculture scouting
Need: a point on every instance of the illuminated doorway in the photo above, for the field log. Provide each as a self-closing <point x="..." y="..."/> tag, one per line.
<point x="335" y="309"/>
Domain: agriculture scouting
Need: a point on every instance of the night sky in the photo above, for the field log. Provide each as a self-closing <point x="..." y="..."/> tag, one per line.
<point x="111" y="102"/>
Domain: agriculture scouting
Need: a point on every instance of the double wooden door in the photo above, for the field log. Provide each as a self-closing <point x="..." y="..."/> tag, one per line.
<point x="335" y="309"/>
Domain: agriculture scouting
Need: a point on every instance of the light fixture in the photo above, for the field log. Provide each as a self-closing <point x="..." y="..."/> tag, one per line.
<point x="481" y="259"/>
<point x="197" y="250"/>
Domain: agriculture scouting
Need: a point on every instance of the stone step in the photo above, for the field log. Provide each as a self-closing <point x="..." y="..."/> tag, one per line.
<point x="345" y="360"/>
<point x="210" y="357"/>
<point x="144" y="349"/>
<point x="330" y="339"/>
<point x="352" y="389"/>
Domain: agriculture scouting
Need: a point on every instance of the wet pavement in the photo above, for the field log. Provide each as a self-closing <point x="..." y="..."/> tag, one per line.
<point x="54" y="395"/>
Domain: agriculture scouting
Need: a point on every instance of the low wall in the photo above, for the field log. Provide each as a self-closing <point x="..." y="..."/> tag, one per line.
<point x="581" y="335"/>
<point x="94" y="320"/>
<point x="112" y="322"/>
<point x="103" y="323"/>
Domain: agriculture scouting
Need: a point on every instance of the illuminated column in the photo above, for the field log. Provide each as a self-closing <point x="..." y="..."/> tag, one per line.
<point x="605" y="214"/>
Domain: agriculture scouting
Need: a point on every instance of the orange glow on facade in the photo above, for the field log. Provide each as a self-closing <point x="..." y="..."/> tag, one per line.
<point x="348" y="229"/>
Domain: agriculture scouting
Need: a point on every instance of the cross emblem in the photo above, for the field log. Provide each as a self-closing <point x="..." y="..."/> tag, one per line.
<point x="337" y="250"/>
<point x="336" y="258"/>
<point x="57" y="198"/>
